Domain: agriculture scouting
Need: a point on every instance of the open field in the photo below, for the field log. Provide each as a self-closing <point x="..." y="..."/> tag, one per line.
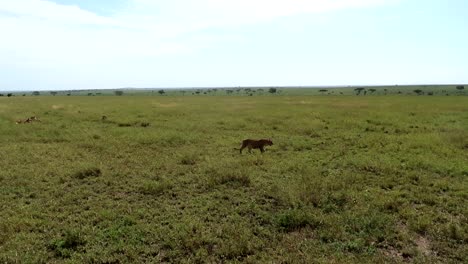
<point x="349" y="179"/>
<point x="431" y="90"/>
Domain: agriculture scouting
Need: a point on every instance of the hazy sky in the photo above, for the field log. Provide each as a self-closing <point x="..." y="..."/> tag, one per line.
<point x="88" y="44"/>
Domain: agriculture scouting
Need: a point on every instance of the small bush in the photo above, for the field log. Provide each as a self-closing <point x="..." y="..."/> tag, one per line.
<point x="356" y="246"/>
<point x="296" y="219"/>
<point x="333" y="202"/>
<point x="453" y="231"/>
<point x="221" y="176"/>
<point x="188" y="159"/>
<point x="393" y="205"/>
<point x="236" y="178"/>
<point x="124" y="124"/>
<point x="88" y="172"/>
<point x="409" y="253"/>
<point x="154" y="188"/>
<point x="64" y="246"/>
<point x="172" y="140"/>
<point x="420" y="224"/>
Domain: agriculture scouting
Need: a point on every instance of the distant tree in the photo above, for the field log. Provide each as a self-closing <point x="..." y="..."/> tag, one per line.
<point x="460" y="87"/>
<point x="161" y="92"/>
<point x="197" y="92"/>
<point x="372" y="90"/>
<point x="359" y="90"/>
<point x="323" y="91"/>
<point x="430" y="93"/>
<point x="272" y="90"/>
<point x="10" y="95"/>
<point x="119" y="93"/>
<point x="36" y="93"/>
<point x="53" y="93"/>
<point x="24" y="94"/>
<point x="68" y="94"/>
<point x="89" y="94"/>
<point x="229" y="91"/>
<point x="418" y="91"/>
<point x="1" y="94"/>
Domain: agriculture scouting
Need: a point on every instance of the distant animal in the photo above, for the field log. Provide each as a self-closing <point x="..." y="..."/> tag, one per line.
<point x="104" y="118"/>
<point x="255" y="144"/>
<point x="28" y="120"/>
<point x="34" y="118"/>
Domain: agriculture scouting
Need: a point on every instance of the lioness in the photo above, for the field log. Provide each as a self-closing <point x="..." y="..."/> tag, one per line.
<point x="28" y="120"/>
<point x="255" y="144"/>
<point x="33" y="118"/>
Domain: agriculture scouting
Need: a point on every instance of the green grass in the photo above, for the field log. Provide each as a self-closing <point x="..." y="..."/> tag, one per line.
<point x="349" y="179"/>
<point x="383" y="90"/>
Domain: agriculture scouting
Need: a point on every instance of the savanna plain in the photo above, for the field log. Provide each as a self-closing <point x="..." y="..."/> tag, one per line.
<point x="349" y="179"/>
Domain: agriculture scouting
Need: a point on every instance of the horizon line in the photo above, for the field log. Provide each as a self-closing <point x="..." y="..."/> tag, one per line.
<point x="235" y="87"/>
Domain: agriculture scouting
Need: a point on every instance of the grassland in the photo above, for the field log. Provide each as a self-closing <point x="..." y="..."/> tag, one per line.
<point x="350" y="179"/>
<point x="263" y="91"/>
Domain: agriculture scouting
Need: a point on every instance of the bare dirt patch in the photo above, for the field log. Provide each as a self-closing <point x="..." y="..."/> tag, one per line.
<point x="423" y="246"/>
<point x="57" y="107"/>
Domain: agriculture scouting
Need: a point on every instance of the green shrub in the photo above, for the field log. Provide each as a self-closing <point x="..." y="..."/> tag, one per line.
<point x="67" y="244"/>
<point x="154" y="188"/>
<point x="87" y="172"/>
<point x="295" y="219"/>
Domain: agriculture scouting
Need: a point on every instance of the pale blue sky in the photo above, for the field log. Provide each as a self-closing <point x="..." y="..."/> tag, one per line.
<point x="89" y="44"/>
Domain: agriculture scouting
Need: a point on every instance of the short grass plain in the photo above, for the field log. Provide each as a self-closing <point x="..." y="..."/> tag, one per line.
<point x="349" y="179"/>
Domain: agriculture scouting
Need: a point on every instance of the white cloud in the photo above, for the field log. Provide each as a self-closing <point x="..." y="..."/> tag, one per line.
<point x="245" y="11"/>
<point x="145" y="27"/>
<point x="52" y="12"/>
<point x="39" y="34"/>
<point x="187" y="15"/>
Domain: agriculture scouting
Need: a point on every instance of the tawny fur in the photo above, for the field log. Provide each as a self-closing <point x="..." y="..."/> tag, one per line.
<point x="255" y="144"/>
<point x="28" y="120"/>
